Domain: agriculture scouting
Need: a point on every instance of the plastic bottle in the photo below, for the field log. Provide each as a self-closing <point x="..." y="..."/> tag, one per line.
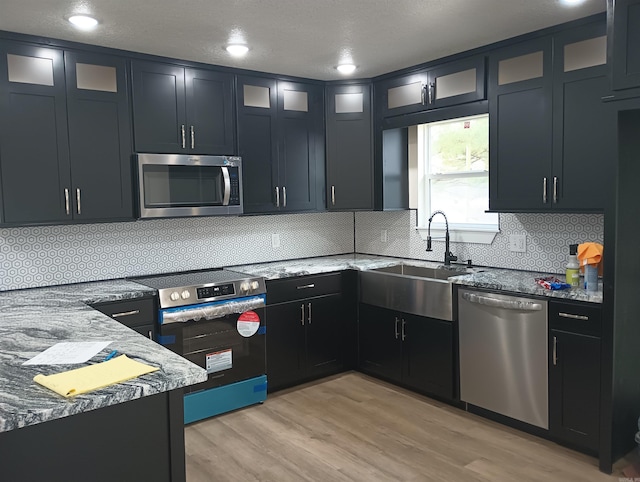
<point x="573" y="267"/>
<point x="591" y="277"/>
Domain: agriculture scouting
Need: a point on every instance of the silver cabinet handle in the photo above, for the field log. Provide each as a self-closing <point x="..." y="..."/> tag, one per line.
<point x="404" y="335"/>
<point x="277" y="196"/>
<point x="309" y="318"/>
<point x="423" y="95"/>
<point x="125" y="313"/>
<point x="150" y="334"/>
<point x="498" y="303"/>
<point x="333" y="195"/>
<point x="432" y="91"/>
<point x="555" y="351"/>
<point x="397" y="334"/>
<point x="544" y="190"/>
<point x="78" y="206"/>
<point x="227" y="186"/>
<point x="555" y="189"/>
<point x="573" y="317"/>
<point x="284" y="196"/>
<point x="302" y="287"/>
<point x="193" y="138"/>
<point x="302" y="314"/>
<point x="66" y="200"/>
<point x="182" y="132"/>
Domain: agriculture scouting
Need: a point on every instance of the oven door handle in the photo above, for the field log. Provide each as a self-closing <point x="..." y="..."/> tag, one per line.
<point x="227" y="185"/>
<point x="210" y="311"/>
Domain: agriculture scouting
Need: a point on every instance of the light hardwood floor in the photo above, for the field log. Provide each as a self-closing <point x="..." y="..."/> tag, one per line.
<point x="355" y="428"/>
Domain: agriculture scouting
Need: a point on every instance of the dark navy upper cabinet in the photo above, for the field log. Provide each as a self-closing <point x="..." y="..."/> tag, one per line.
<point x="99" y="136"/>
<point x="550" y="135"/>
<point x="281" y="142"/>
<point x="182" y="110"/>
<point x="624" y="40"/>
<point x="65" y="147"/>
<point x="450" y="84"/>
<point x="34" y="152"/>
<point x="349" y="147"/>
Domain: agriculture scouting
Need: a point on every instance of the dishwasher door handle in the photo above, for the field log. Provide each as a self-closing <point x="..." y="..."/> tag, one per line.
<point x="504" y="304"/>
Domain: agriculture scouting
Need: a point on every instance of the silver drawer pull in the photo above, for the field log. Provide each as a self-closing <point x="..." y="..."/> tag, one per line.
<point x="312" y="285"/>
<point x="573" y="317"/>
<point x="125" y="313"/>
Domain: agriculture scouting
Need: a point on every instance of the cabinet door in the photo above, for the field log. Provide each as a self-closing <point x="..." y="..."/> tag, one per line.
<point x="584" y="126"/>
<point x="402" y="95"/>
<point x="99" y="136"/>
<point x="325" y="328"/>
<point x="379" y="342"/>
<point x="159" y="118"/>
<point x="574" y="388"/>
<point x="210" y="123"/>
<point x="257" y="140"/>
<point x="457" y="83"/>
<point x="34" y="149"/>
<point x="286" y="361"/>
<point x="520" y="129"/>
<point x="427" y="353"/>
<point x="625" y="37"/>
<point x="300" y="121"/>
<point x="349" y="147"/>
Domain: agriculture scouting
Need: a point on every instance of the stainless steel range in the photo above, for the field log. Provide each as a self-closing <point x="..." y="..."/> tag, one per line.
<point x="217" y="320"/>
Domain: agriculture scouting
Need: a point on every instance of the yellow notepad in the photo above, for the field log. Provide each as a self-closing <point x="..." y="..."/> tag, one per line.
<point x="94" y="377"/>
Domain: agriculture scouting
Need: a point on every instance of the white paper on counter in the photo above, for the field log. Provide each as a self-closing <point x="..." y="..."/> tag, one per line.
<point x="67" y="353"/>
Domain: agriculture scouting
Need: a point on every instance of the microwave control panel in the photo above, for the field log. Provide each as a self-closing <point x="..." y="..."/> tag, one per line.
<point x="234" y="198"/>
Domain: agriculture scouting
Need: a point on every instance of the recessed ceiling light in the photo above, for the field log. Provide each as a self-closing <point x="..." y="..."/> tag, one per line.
<point x="83" y="22"/>
<point x="237" y="50"/>
<point x="346" y="69"/>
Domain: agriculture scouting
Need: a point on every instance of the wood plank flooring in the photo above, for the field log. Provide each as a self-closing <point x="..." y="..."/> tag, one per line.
<point x="355" y="428"/>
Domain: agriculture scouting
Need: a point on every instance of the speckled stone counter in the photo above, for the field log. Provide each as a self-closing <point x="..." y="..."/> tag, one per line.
<point x="522" y="282"/>
<point x="33" y="320"/>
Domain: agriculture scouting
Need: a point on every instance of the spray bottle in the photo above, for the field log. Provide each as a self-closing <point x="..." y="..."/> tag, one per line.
<point x="573" y="267"/>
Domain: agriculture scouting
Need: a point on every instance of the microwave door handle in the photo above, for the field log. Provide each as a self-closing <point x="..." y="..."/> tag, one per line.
<point x="227" y="185"/>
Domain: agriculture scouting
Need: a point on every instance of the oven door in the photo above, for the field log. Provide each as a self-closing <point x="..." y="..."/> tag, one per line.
<point x="226" y="338"/>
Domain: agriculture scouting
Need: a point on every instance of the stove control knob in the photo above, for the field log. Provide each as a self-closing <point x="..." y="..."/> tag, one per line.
<point x="174" y="296"/>
<point x="185" y="294"/>
<point x="255" y="285"/>
<point x="244" y="287"/>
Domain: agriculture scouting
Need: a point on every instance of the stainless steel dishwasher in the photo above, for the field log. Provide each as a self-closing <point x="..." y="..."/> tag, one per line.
<point x="503" y="355"/>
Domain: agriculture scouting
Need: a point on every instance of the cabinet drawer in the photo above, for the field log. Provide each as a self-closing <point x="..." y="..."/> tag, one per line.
<point x="131" y="312"/>
<point x="584" y="318"/>
<point x="302" y="287"/>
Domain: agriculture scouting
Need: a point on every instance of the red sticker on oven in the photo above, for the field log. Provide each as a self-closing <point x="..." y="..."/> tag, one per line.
<point x="248" y="323"/>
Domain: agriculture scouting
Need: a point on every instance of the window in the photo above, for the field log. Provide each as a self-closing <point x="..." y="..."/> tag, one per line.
<point x="453" y="176"/>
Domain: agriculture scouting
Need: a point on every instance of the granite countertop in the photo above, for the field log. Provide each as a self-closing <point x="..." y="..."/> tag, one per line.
<point x="514" y="281"/>
<point x="33" y="320"/>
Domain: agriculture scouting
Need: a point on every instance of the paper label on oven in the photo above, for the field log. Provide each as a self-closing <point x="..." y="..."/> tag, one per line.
<point x="219" y="360"/>
<point x="248" y="323"/>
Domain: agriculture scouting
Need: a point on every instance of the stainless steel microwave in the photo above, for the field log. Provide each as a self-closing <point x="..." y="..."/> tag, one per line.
<point x="177" y="185"/>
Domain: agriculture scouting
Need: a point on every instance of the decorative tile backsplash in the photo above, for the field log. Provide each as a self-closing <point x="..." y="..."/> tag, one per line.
<point x="52" y="255"/>
<point x="548" y="237"/>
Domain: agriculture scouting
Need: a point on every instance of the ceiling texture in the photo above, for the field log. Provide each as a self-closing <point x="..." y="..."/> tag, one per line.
<point x="305" y="38"/>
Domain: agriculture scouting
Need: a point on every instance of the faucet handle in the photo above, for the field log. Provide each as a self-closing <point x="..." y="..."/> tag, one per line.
<point x="452" y="257"/>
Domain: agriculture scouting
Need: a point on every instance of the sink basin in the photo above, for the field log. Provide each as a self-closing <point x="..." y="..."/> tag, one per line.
<point x="422" y="271"/>
<point x="418" y="290"/>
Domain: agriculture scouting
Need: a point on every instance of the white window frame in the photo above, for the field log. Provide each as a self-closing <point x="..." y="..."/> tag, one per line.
<point x="458" y="232"/>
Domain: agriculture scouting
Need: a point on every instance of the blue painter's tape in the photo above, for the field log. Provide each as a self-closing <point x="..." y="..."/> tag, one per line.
<point x="166" y="339"/>
<point x="262" y="330"/>
<point x="260" y="388"/>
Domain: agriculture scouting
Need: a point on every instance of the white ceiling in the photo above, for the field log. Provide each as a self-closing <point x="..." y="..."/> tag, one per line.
<point x="306" y="38"/>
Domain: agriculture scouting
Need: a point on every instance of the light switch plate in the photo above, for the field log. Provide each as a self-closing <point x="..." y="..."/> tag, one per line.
<point x="384" y="236"/>
<point x="275" y="240"/>
<point x="518" y="243"/>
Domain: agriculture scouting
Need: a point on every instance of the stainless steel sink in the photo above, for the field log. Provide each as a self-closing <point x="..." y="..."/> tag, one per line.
<point x="419" y="290"/>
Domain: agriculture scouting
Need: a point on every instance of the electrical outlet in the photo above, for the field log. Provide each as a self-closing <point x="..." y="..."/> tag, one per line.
<point x="384" y="236"/>
<point x="518" y="243"/>
<point x="275" y="240"/>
